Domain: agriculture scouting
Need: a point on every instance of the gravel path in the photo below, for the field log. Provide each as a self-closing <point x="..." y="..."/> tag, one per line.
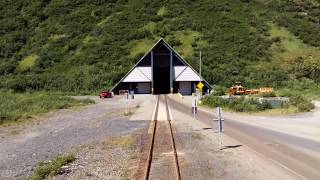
<point x="23" y="146"/>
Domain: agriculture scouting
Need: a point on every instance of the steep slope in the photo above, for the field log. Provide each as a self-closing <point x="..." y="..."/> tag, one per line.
<point x="87" y="45"/>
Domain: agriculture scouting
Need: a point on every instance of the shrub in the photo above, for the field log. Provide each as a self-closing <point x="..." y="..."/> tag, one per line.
<point x="232" y="35"/>
<point x="305" y="107"/>
<point x="174" y="41"/>
<point x="15" y="106"/>
<point x="237" y="104"/>
<point x="45" y="169"/>
<point x="7" y="67"/>
<point x="264" y="106"/>
<point x="219" y="90"/>
<point x="268" y="94"/>
<point x="295" y="100"/>
<point x="239" y="107"/>
<point x="214" y="101"/>
<point x="303" y="103"/>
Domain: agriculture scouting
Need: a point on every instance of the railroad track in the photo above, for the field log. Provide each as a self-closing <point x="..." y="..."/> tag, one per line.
<point x="162" y="160"/>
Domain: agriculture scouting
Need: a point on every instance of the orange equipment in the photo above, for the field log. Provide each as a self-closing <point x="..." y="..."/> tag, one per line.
<point x="238" y="89"/>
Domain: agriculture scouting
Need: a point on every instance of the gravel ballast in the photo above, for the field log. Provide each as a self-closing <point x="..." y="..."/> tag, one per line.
<point x="23" y="146"/>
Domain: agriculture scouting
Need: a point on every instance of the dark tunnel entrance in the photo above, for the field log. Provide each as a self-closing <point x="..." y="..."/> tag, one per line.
<point x="161" y="70"/>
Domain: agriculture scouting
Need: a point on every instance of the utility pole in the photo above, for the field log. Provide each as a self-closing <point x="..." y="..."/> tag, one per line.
<point x="200" y="66"/>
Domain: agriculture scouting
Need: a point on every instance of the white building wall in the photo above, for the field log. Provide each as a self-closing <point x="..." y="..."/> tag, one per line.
<point x="139" y="74"/>
<point x="185" y="73"/>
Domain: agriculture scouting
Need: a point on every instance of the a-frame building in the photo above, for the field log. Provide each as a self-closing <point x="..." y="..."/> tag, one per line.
<point x="161" y="71"/>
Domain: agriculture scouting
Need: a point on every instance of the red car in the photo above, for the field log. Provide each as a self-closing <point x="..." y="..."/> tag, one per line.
<point x="105" y="94"/>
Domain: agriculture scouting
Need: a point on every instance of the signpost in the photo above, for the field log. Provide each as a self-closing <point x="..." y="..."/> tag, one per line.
<point x="132" y="94"/>
<point x="200" y="85"/>
<point x="128" y="98"/>
<point x="194" y="107"/>
<point x="218" y="125"/>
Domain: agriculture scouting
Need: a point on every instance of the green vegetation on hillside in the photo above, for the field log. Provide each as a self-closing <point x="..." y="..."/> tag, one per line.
<point x="85" y="46"/>
<point x="27" y="63"/>
<point x="17" y="106"/>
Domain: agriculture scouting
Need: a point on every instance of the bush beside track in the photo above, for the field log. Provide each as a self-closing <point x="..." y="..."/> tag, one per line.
<point x="252" y="103"/>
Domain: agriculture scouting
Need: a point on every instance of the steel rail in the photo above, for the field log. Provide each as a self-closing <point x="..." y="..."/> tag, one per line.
<point x="151" y="148"/>
<point x="150" y="153"/>
<point x="175" y="154"/>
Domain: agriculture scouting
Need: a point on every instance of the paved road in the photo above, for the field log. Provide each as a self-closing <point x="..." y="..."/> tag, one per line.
<point x="299" y="155"/>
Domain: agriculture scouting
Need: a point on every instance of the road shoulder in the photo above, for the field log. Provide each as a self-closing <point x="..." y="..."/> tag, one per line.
<point x="198" y="150"/>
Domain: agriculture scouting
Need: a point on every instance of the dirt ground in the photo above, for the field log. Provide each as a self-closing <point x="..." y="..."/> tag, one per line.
<point x="23" y="146"/>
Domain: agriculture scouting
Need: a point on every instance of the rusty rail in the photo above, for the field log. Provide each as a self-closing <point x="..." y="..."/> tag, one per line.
<point x="153" y="127"/>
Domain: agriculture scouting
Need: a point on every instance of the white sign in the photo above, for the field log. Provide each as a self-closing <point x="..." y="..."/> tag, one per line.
<point x="218" y="123"/>
<point x="194" y="107"/>
<point x="218" y="126"/>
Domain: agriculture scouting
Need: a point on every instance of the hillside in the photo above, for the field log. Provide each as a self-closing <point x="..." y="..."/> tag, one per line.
<point x="85" y="46"/>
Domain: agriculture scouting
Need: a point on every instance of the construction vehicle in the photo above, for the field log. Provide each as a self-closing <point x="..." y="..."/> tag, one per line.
<point x="238" y="89"/>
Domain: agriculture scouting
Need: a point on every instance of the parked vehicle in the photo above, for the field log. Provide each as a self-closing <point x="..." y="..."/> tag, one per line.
<point x="238" y="89"/>
<point x="123" y="92"/>
<point x="105" y="94"/>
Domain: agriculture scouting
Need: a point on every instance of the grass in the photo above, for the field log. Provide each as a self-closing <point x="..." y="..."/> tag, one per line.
<point x="88" y="39"/>
<point x="238" y="104"/>
<point x="197" y="136"/>
<point x="187" y="38"/>
<point x="162" y="11"/>
<point x="125" y="142"/>
<point x="297" y="103"/>
<point x="44" y="170"/>
<point x="271" y="112"/>
<point x="21" y="106"/>
<point x="267" y="112"/>
<point x="141" y="47"/>
<point x="128" y="113"/>
<point x="289" y="46"/>
<point x="28" y="63"/>
<point x="95" y="37"/>
<point x="151" y="27"/>
<point x="104" y="21"/>
<point x="304" y="87"/>
<point x="55" y="37"/>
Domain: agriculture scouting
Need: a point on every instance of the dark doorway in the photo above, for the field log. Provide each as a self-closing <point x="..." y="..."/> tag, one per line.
<point x="161" y="70"/>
